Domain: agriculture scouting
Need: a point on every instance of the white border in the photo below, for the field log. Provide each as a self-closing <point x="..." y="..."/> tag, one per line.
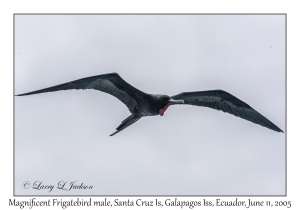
<point x="154" y="6"/>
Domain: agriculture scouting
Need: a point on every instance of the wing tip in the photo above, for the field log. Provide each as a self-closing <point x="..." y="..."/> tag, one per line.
<point x="276" y="129"/>
<point x="24" y="94"/>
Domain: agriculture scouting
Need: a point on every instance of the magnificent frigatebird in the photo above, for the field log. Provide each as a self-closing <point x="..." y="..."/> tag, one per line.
<point x="141" y="104"/>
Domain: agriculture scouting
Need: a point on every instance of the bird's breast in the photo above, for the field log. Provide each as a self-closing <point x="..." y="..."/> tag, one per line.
<point x="146" y="109"/>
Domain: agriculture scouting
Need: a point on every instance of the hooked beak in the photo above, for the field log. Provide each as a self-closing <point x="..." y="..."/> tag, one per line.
<point x="172" y="101"/>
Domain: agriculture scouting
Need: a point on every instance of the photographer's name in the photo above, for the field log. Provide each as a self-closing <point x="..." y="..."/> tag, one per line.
<point x="62" y="185"/>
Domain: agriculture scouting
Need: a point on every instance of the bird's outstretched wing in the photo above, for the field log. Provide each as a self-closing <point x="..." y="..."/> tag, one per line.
<point x="221" y="100"/>
<point x="111" y="83"/>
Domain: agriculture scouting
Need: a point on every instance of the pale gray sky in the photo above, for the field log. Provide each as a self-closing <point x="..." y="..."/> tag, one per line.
<point x="190" y="150"/>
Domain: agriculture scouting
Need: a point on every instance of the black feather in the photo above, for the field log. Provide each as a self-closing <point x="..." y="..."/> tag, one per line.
<point x="221" y="100"/>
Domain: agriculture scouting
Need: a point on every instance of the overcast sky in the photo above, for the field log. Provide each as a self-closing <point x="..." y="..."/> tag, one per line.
<point x="64" y="136"/>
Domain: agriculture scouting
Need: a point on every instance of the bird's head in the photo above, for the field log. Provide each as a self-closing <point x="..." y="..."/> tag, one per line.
<point x="165" y="101"/>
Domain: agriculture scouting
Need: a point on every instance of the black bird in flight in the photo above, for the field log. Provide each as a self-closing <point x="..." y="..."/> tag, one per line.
<point x="141" y="104"/>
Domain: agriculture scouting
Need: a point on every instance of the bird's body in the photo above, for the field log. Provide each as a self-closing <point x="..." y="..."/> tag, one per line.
<point x="141" y="104"/>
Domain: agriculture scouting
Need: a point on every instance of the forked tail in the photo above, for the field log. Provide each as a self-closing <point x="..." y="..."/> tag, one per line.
<point x="127" y="122"/>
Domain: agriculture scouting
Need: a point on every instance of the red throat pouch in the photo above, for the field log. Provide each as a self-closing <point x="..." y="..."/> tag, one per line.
<point x="162" y="111"/>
